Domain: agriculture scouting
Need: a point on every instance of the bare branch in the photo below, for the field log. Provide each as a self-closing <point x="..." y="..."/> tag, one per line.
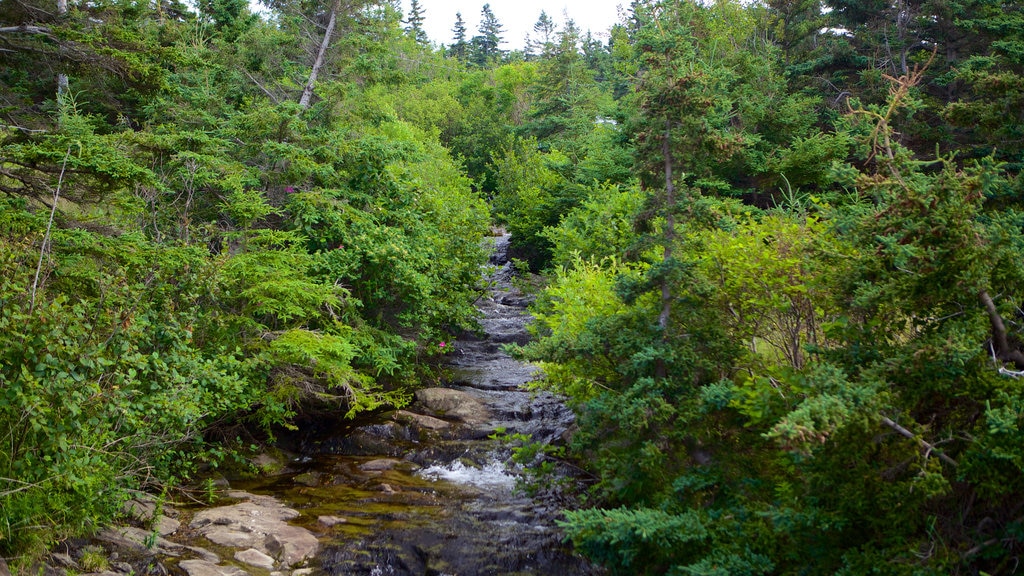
<point x="910" y="435"/>
<point x="25" y="29"/>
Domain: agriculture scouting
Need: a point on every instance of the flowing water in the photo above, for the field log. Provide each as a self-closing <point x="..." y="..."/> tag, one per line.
<point x="427" y="491"/>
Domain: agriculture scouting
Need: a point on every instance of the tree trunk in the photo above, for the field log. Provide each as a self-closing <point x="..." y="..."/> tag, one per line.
<point x="62" y="79"/>
<point x="670" y="225"/>
<point x="307" y="92"/>
<point x="660" y="370"/>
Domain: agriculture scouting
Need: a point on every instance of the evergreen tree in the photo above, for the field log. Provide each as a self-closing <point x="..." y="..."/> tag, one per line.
<point x="542" y="43"/>
<point x="459" y="48"/>
<point x="486" y="46"/>
<point x="415" y="23"/>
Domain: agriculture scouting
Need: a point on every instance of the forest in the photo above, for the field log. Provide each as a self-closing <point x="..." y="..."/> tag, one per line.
<point x="779" y="242"/>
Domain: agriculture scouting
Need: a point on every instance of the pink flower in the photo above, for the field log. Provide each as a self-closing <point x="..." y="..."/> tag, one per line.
<point x="441" y="344"/>
<point x="289" y="189"/>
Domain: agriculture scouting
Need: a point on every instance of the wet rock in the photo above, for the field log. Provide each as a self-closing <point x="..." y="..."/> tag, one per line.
<point x="254" y="557"/>
<point x="386" y="439"/>
<point x="456" y="404"/>
<point x="380" y="465"/>
<point x="204" y="554"/>
<point x="311" y="479"/>
<point x="421" y="420"/>
<point x="204" y="568"/>
<point x="267" y="463"/>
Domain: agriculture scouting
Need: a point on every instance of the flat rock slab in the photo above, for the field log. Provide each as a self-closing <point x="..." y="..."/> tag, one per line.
<point x="204" y="568"/>
<point x="254" y="557"/>
<point x="132" y="538"/>
<point x="454" y="404"/>
<point x="259" y="524"/>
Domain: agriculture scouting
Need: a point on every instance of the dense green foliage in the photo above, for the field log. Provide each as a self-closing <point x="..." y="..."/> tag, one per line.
<point x="802" y="356"/>
<point x="782" y="242"/>
<point x="186" y="250"/>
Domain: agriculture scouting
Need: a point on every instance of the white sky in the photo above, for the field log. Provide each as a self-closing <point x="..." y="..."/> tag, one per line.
<point x="516" y="16"/>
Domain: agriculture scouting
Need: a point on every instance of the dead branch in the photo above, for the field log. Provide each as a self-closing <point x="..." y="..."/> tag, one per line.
<point x="911" y="436"/>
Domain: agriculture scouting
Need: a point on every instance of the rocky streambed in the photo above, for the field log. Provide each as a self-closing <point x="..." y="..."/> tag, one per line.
<point x="420" y="491"/>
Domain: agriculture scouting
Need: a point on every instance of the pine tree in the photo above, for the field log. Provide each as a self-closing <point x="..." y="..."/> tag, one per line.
<point x="415" y="23"/>
<point x="459" y="47"/>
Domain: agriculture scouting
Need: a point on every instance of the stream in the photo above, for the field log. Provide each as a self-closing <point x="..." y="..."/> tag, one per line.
<point x="426" y="491"/>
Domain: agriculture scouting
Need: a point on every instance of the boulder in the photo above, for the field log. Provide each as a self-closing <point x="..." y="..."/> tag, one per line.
<point x="421" y="421"/>
<point x="453" y="404"/>
<point x="291" y="545"/>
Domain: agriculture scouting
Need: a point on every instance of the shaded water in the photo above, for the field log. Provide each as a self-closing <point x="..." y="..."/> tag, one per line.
<point x="426" y="491"/>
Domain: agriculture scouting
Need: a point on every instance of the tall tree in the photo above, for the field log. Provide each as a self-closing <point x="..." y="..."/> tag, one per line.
<point x="486" y="46"/>
<point x="415" y="23"/>
<point x="460" y="47"/>
<point x="542" y="43"/>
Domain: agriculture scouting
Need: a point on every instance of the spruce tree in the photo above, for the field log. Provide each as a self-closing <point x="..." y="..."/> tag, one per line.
<point x="485" y="45"/>
<point x="459" y="46"/>
<point x="415" y="23"/>
<point x="543" y="41"/>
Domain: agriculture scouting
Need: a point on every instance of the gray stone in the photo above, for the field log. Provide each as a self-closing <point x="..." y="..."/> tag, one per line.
<point x="302" y="572"/>
<point x="4" y="570"/>
<point x="380" y="465"/>
<point x="138" y="539"/>
<point x="292" y="545"/>
<point x="330" y="521"/>
<point x="166" y="526"/>
<point x="421" y="420"/>
<point x="266" y="462"/>
<point x="204" y="554"/>
<point x="257" y="511"/>
<point x="254" y="557"/>
<point x="64" y="560"/>
<point x="259" y="523"/>
<point x="232" y="537"/>
<point x="455" y="404"/>
<point x="204" y="568"/>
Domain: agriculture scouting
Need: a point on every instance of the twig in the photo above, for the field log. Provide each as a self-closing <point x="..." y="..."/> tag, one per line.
<point x="49" y="227"/>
